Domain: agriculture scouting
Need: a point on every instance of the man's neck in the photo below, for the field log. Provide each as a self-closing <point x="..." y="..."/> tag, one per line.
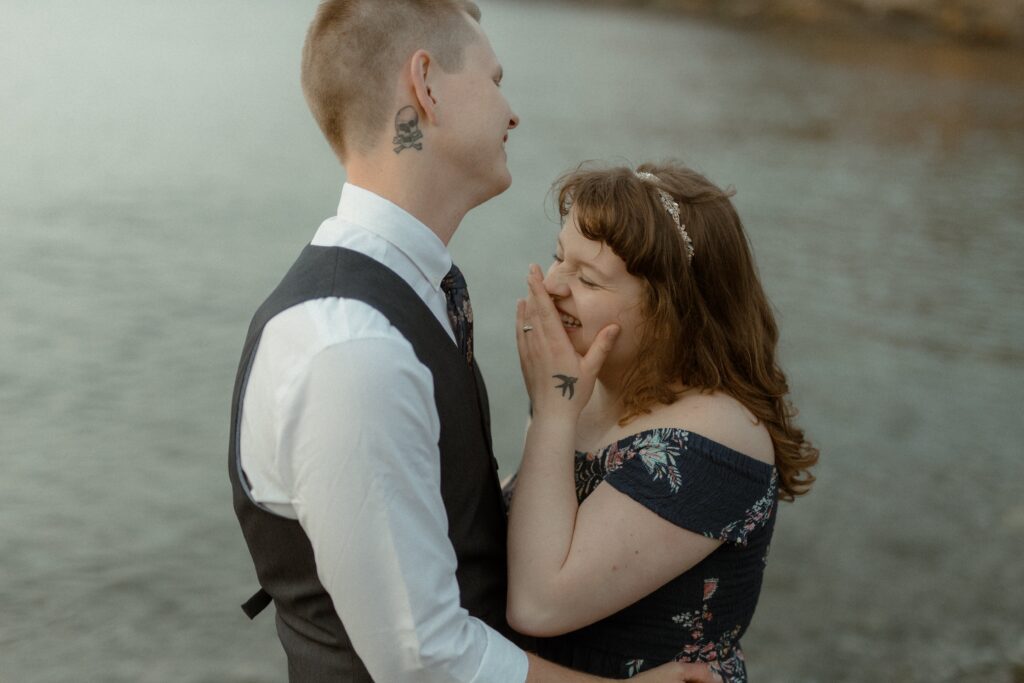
<point x="413" y="189"/>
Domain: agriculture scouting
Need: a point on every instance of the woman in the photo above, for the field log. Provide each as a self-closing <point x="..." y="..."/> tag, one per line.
<point x="661" y="436"/>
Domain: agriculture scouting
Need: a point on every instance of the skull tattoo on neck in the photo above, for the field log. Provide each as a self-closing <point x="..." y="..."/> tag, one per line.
<point x="407" y="129"/>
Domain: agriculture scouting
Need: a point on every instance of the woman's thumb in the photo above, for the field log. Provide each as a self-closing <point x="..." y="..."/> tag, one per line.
<point x="602" y="346"/>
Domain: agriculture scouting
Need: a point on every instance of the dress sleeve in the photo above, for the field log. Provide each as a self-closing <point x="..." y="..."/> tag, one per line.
<point x="695" y="483"/>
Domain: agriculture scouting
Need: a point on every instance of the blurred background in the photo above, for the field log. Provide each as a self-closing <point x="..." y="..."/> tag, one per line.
<point x="159" y="171"/>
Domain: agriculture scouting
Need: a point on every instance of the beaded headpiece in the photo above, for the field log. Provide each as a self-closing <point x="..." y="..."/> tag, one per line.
<point x="673" y="210"/>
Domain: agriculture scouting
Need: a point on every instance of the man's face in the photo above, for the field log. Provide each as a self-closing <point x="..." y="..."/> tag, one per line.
<point x="475" y="120"/>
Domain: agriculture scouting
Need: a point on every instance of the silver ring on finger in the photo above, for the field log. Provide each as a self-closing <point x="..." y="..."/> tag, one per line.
<point x="527" y="328"/>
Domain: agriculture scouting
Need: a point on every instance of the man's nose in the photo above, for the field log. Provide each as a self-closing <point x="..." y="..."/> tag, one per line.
<point x="514" y="121"/>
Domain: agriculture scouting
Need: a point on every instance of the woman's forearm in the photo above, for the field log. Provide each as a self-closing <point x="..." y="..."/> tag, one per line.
<point x="541" y="523"/>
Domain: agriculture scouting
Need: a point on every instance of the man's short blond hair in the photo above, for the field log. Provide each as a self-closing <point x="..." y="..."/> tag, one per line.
<point x="354" y="50"/>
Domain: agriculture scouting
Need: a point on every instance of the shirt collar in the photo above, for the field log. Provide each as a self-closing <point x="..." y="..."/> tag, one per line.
<point x="398" y="227"/>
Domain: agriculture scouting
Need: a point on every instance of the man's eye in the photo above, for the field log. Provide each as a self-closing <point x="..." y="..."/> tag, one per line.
<point x="557" y="258"/>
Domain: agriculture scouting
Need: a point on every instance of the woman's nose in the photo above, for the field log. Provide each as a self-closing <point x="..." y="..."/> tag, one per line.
<point x="555" y="282"/>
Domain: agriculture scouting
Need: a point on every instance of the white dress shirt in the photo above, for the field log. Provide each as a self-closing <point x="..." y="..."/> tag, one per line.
<point x="339" y="430"/>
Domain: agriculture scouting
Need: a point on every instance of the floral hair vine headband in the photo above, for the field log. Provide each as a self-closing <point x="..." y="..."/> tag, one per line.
<point x="673" y="210"/>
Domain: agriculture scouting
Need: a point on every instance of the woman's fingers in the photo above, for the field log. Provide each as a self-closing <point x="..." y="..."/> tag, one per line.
<point x="542" y="308"/>
<point x="679" y="672"/>
<point x="522" y="341"/>
<point x="699" y="672"/>
<point x="520" y="320"/>
<point x="538" y="314"/>
<point x="599" y="350"/>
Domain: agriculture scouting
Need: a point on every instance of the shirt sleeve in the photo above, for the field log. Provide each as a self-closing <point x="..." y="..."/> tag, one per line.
<point x="365" y="471"/>
<point x="695" y="483"/>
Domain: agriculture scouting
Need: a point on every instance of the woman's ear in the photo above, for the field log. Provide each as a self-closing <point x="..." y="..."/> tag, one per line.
<point x="421" y="76"/>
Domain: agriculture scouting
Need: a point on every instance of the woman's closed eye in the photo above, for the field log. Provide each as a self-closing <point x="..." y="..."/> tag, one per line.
<point x="586" y="282"/>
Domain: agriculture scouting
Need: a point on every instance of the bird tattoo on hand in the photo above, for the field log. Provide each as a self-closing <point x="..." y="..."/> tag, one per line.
<point x="568" y="385"/>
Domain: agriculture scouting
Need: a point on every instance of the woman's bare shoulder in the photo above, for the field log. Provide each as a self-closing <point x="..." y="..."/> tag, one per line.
<point x="718" y="417"/>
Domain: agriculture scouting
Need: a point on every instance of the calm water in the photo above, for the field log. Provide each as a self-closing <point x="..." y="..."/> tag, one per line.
<point x="160" y="171"/>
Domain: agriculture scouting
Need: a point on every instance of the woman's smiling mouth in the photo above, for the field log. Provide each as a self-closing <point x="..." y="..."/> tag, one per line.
<point x="569" y="321"/>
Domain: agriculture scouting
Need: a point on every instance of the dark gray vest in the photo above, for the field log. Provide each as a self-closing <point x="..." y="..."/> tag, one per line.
<point x="314" y="638"/>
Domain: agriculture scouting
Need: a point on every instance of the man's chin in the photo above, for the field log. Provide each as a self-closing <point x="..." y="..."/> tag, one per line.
<point x="500" y="184"/>
<point x="488" y="186"/>
<point x="505" y="180"/>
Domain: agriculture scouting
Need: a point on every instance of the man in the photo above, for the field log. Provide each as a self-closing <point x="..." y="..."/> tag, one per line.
<point x="361" y="458"/>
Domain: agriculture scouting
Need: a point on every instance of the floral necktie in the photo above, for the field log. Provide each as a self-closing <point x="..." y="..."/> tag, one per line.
<point x="460" y="312"/>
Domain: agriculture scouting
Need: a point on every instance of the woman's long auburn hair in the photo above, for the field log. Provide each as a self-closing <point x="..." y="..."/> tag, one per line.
<point x="708" y="322"/>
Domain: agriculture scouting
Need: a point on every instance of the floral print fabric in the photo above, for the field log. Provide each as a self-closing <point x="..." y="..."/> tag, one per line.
<point x="705" y="487"/>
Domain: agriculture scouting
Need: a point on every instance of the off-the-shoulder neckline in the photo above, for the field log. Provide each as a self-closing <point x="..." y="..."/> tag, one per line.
<point x="709" y="445"/>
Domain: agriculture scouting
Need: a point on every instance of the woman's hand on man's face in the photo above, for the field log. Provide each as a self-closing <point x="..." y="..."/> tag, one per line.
<point x="558" y="379"/>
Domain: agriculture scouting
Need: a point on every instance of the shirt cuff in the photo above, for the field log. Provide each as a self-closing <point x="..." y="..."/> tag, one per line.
<point x="502" y="662"/>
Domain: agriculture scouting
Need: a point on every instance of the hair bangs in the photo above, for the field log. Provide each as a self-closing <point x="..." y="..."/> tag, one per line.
<point x="613" y="207"/>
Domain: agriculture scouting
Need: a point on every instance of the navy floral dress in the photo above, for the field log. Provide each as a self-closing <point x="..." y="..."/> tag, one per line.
<point x="705" y="487"/>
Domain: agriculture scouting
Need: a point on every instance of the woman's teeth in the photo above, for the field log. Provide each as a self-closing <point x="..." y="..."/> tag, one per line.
<point x="570" y="321"/>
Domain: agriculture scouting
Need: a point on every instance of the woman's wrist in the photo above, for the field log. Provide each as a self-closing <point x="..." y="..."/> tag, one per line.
<point x="557" y="410"/>
<point x="551" y="431"/>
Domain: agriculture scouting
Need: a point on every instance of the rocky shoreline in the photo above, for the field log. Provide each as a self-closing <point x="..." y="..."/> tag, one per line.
<point x="981" y="22"/>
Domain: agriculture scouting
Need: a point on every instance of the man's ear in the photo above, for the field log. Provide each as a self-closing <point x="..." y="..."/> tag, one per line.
<point x="421" y="75"/>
